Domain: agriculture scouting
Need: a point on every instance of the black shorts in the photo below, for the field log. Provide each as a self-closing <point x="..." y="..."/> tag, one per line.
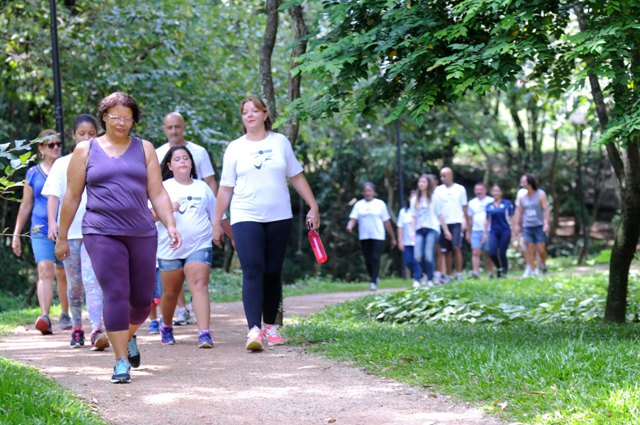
<point x="456" y="238"/>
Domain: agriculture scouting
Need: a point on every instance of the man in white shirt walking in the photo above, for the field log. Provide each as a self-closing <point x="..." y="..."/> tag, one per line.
<point x="454" y="210"/>
<point x="477" y="212"/>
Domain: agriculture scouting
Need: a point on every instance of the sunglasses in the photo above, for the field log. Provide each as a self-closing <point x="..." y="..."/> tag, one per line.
<point x="54" y="145"/>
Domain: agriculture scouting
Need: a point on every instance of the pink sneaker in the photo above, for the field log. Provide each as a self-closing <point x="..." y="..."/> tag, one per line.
<point x="254" y="339"/>
<point x="272" y="335"/>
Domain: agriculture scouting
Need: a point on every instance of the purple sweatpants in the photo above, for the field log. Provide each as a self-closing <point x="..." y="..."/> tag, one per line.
<point x="126" y="270"/>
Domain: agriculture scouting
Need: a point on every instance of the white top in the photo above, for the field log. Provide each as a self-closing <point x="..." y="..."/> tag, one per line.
<point x="200" y="158"/>
<point x="427" y="214"/>
<point x="477" y="211"/>
<point x="56" y="185"/>
<point x="405" y="219"/>
<point x="258" y="171"/>
<point x="371" y="216"/>
<point x="193" y="219"/>
<point x="453" y="199"/>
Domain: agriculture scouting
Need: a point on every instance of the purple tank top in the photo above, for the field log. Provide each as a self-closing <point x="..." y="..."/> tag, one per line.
<point x="117" y="193"/>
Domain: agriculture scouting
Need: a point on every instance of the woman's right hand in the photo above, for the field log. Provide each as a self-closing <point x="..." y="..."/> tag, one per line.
<point x="62" y="249"/>
<point x="16" y="245"/>
<point x="53" y="231"/>
<point x="217" y="234"/>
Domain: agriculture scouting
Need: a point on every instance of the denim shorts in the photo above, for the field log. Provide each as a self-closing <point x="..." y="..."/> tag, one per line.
<point x="476" y="240"/>
<point x="200" y="256"/>
<point x="44" y="249"/>
<point x="533" y="234"/>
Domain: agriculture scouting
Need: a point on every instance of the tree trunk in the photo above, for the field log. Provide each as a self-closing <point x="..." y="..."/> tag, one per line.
<point x="522" y="144"/>
<point x="301" y="32"/>
<point x="268" y="42"/>
<point x="552" y="186"/>
<point x="626" y="165"/>
<point x="584" y="226"/>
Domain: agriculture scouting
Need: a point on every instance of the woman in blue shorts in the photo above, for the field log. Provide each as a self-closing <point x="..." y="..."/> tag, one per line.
<point x="34" y="204"/>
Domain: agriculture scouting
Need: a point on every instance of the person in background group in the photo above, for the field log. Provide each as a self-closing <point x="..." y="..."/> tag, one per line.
<point x="426" y="208"/>
<point x="477" y="210"/>
<point x="406" y="243"/>
<point x="254" y="177"/>
<point x="372" y="216"/>
<point x="34" y="204"/>
<point x="174" y="128"/>
<point x="454" y="210"/>
<point x="497" y="230"/>
<point x="78" y="267"/>
<point x="194" y="206"/>
<point x="121" y="174"/>
<point x="533" y="217"/>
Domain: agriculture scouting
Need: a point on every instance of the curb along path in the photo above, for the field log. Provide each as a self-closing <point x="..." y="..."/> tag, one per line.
<point x="182" y="384"/>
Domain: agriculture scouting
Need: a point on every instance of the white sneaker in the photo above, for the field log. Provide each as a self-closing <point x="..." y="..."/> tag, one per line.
<point x="416" y="284"/>
<point x="459" y="277"/>
<point x="536" y="272"/>
<point x="527" y="272"/>
<point x="429" y="284"/>
<point x="373" y="286"/>
<point x="180" y="318"/>
<point x="255" y="339"/>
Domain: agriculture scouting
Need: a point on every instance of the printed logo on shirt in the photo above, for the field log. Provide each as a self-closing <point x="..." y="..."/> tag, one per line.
<point x="188" y="202"/>
<point x="261" y="157"/>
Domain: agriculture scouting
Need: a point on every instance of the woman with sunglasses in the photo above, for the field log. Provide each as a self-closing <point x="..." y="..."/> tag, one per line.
<point x="34" y="204"/>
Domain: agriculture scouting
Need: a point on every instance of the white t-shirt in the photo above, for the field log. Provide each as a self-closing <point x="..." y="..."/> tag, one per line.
<point x="193" y="219"/>
<point x="405" y="219"/>
<point x="427" y="214"/>
<point x="371" y="216"/>
<point x="56" y="185"/>
<point x="200" y="158"/>
<point x="477" y="211"/>
<point x="453" y="199"/>
<point x="258" y="171"/>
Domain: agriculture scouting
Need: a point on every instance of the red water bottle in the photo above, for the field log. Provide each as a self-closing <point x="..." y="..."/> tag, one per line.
<point x="317" y="247"/>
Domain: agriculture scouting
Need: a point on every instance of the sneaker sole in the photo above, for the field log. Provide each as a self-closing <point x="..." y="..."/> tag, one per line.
<point x="43" y="327"/>
<point x="77" y="345"/>
<point x="273" y="344"/>
<point x="101" y="343"/>
<point x="255" y="346"/>
<point x="168" y="343"/>
<point x="125" y="380"/>
<point x="205" y="345"/>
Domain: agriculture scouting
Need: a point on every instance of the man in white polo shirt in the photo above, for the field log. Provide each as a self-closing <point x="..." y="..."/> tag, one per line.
<point x="174" y="127"/>
<point x="454" y="210"/>
<point x="477" y="211"/>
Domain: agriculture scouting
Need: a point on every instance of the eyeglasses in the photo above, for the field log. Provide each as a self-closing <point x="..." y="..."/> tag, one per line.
<point x="54" y="145"/>
<point x="122" y="120"/>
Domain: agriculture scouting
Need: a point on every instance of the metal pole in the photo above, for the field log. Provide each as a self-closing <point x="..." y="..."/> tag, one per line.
<point x="401" y="197"/>
<point x="57" y="85"/>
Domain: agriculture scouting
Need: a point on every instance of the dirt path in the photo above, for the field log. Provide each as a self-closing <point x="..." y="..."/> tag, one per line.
<point x="181" y="384"/>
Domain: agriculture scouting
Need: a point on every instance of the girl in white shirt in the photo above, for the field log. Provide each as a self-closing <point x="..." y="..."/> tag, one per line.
<point x="193" y="208"/>
<point x="254" y="177"/>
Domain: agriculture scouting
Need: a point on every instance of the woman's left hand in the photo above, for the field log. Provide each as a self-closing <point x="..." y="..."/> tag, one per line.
<point x="313" y="219"/>
<point x="176" y="239"/>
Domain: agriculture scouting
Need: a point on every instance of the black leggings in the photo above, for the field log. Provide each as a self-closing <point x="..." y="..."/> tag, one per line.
<point x="372" y="250"/>
<point x="261" y="248"/>
<point x="498" y="245"/>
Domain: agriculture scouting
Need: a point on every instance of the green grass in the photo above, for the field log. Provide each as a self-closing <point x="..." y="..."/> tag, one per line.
<point x="555" y="372"/>
<point x="27" y="397"/>
<point x="224" y="287"/>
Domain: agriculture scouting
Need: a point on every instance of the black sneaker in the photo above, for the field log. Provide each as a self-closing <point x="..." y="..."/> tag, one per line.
<point x="132" y="352"/>
<point x="543" y="269"/>
<point x="121" y="372"/>
<point x="77" y="338"/>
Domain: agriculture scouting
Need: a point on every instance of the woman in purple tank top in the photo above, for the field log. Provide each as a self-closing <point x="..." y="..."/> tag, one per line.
<point x="120" y="173"/>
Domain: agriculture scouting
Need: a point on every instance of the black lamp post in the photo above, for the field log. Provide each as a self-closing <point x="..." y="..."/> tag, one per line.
<point x="57" y="85"/>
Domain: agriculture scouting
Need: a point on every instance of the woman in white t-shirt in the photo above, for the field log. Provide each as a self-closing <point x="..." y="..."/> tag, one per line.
<point x="77" y="266"/>
<point x="193" y="208"/>
<point x="428" y="219"/>
<point x="254" y="177"/>
<point x="406" y="242"/>
<point x="372" y="216"/>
